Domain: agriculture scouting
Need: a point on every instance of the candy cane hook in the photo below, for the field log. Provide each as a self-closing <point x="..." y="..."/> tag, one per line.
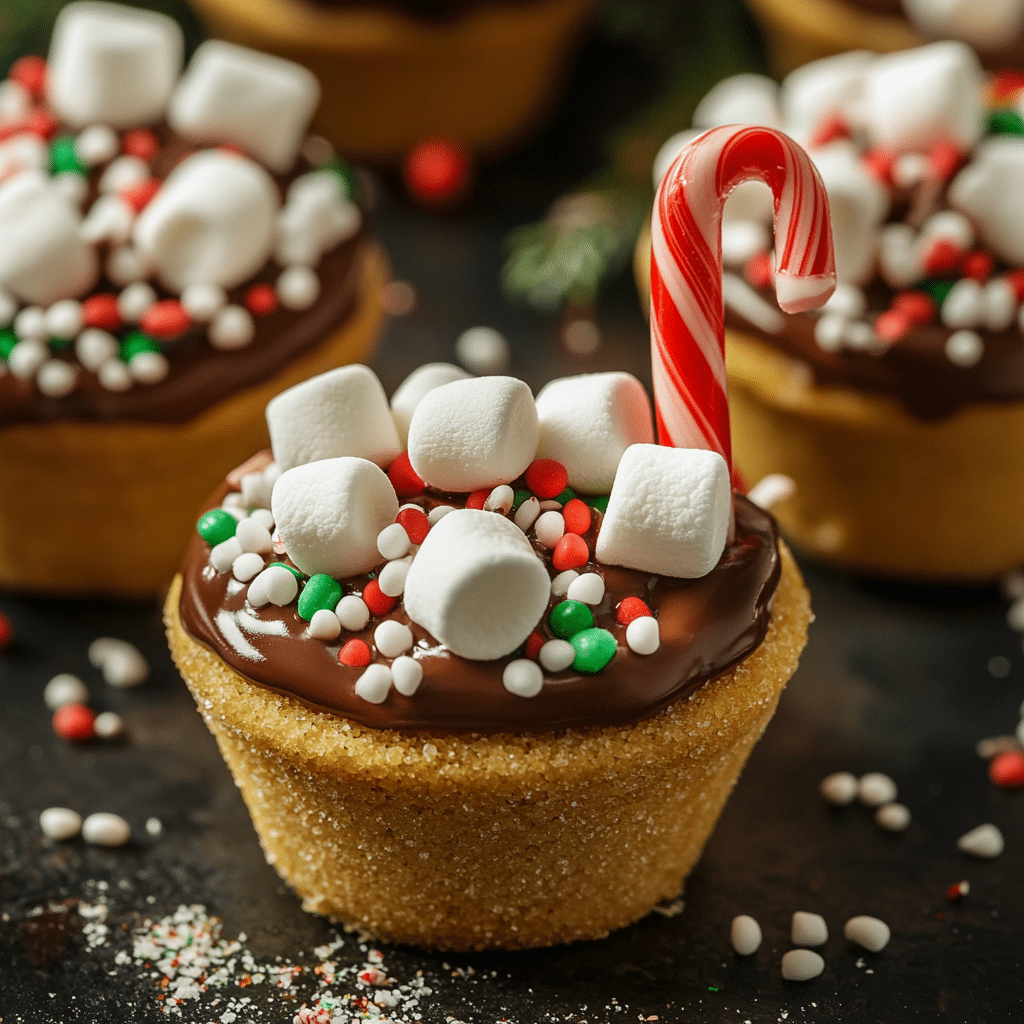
<point x="687" y="315"/>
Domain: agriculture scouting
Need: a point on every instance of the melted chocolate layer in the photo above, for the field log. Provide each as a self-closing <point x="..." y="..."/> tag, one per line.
<point x="707" y="626"/>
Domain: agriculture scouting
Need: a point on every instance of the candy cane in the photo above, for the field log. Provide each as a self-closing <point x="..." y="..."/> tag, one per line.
<point x="687" y="316"/>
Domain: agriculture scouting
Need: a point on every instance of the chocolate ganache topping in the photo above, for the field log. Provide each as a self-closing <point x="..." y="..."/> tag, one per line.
<point x="707" y="625"/>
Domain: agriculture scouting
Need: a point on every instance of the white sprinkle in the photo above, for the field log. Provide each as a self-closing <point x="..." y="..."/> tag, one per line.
<point x="392" y="577"/>
<point x="203" y="301"/>
<point x="246" y="565"/>
<point x="108" y="725"/>
<point x="588" y="588"/>
<point x="847" y="300"/>
<point x="122" y="173"/>
<point x="154" y="826"/>
<point x="839" y="788"/>
<point x="482" y="350"/>
<point x="253" y="536"/>
<point x="909" y="169"/>
<point x="94" y="347"/>
<point x="561" y="583"/>
<point x="643" y="635"/>
<point x="298" y="288"/>
<point x="550" y="505"/>
<point x="374" y="684"/>
<point x="892" y="817"/>
<point x="231" y="632"/>
<point x="500" y="499"/>
<point x="223" y="555"/>
<point x="60" y="823"/>
<point x="964" y="306"/>
<point x="829" y="330"/>
<point x="126" y="265"/>
<point x="393" y="541"/>
<point x="324" y="625"/>
<point x="988" y="748"/>
<point x="801" y="965"/>
<point x="71" y="185"/>
<point x="63" y="319"/>
<point x="985" y="841"/>
<point x="771" y="489"/>
<point x="808" y="929"/>
<point x="1015" y="616"/>
<point x="109" y="219"/>
<point x="264" y="517"/>
<point x="96" y="145"/>
<point x="30" y="323"/>
<point x="875" y="789"/>
<point x="557" y="655"/>
<point x="352" y="613"/>
<point x="407" y="674"/>
<point x="964" y="348"/>
<point x="124" y="666"/>
<point x="114" y="375"/>
<point x="523" y="677"/>
<point x="527" y="513"/>
<point x="868" y="932"/>
<point x="65" y="689"/>
<point x="56" y="378"/>
<point x="392" y="638"/>
<point x="232" y="327"/>
<point x="438" y="512"/>
<point x="274" y="585"/>
<point x="860" y="336"/>
<point x="26" y="357"/>
<point x="745" y="935"/>
<point x="1000" y="304"/>
<point x="549" y="528"/>
<point x="134" y="300"/>
<point x="149" y="367"/>
<point x="105" y="829"/>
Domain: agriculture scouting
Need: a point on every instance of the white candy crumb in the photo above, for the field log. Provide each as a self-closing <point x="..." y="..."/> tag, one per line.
<point x="892" y="817"/>
<point x="60" y="823"/>
<point x="801" y="965"/>
<point x="772" y="489"/>
<point x="868" y="932"/>
<point x="65" y="689"/>
<point x="875" y="789"/>
<point x="134" y="301"/>
<point x="839" y="788"/>
<point x="523" y="677"/>
<point x="108" y="725"/>
<point x="104" y="829"/>
<point x="808" y="929"/>
<point x="482" y="350"/>
<point x="149" y="367"/>
<point x="154" y="826"/>
<point x="985" y="841"/>
<point x="745" y="935"/>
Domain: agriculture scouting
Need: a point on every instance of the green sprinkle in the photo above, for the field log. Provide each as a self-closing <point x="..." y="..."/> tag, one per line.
<point x="63" y="156"/>
<point x="594" y="649"/>
<point x="938" y="290"/>
<point x="343" y="171"/>
<point x="566" y="496"/>
<point x="518" y="498"/>
<point x="59" y="344"/>
<point x="135" y="342"/>
<point x="1005" y="122"/>
<point x="712" y="988"/>
<point x="8" y="339"/>
<point x="216" y="526"/>
<point x="291" y="568"/>
<point x="569" y="618"/>
<point x="600" y="503"/>
<point x="321" y="591"/>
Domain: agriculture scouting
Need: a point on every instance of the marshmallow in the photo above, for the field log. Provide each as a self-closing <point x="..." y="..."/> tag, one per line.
<point x="233" y="94"/>
<point x="112" y="65"/>
<point x="670" y="149"/>
<point x="42" y="259"/>
<point x="990" y="190"/>
<point x="341" y="412"/>
<point x="317" y="216"/>
<point x="23" y="152"/>
<point x="669" y="511"/>
<point x="212" y="222"/>
<point x="411" y="391"/>
<point x="741" y="99"/>
<point x="829" y="86"/>
<point x="330" y="512"/>
<point x="987" y="26"/>
<point x="858" y="203"/>
<point x="477" y="585"/>
<point x="898" y="259"/>
<point x="916" y="98"/>
<point x="474" y="433"/>
<point x="587" y="422"/>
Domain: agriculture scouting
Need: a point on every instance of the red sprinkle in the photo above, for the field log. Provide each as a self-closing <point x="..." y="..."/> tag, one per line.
<point x="140" y="142"/>
<point x="534" y="642"/>
<point x="139" y="195"/>
<point x="376" y="600"/>
<point x="415" y="524"/>
<point x="546" y="478"/>
<point x="630" y="608"/>
<point x="880" y="163"/>
<point x="759" y="271"/>
<point x="477" y="498"/>
<point x="919" y="306"/>
<point x="355" y="654"/>
<point x="40" y="122"/>
<point x="6" y="632"/>
<point x="941" y="257"/>
<point x="101" y="311"/>
<point x="570" y="552"/>
<point x="74" y="722"/>
<point x="437" y="170"/>
<point x="403" y="477"/>
<point x="577" y="516"/>
<point x="892" y="325"/>
<point x="30" y="74"/>
<point x="1007" y="769"/>
<point x="830" y="128"/>
<point x="261" y="299"/>
<point x="1015" y="279"/>
<point x="945" y="158"/>
<point x="979" y="265"/>
<point x="165" y="319"/>
<point x="1006" y="85"/>
<point x="957" y="891"/>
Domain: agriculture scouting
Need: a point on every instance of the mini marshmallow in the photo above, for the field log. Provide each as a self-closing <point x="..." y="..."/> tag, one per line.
<point x="523" y="677"/>
<point x="212" y="222"/>
<point x="411" y="391"/>
<point x="96" y="145"/>
<point x="124" y="172"/>
<point x="745" y="935"/>
<point x="821" y="88"/>
<point x="406" y="674"/>
<point x="374" y="684"/>
<point x="806" y="929"/>
<point x="990" y="190"/>
<point x="869" y="932"/>
<point x="741" y="99"/>
<point x="588" y="421"/>
<point x="256" y="491"/>
<point x="392" y="638"/>
<point x="343" y="412"/>
<point x="473" y="433"/>
<point x="549" y="528"/>
<point x="24" y="152"/>
<point x="246" y="566"/>
<point x="477" y="585"/>
<point x="393" y="542"/>
<point x="527" y="513"/>
<point x="556" y="655"/>
<point x="233" y="94"/>
<point x="329" y="514"/>
<point x="317" y="216"/>
<point x="324" y="625"/>
<point x="643" y="635"/>
<point x="915" y="98"/>
<point x="30" y="323"/>
<point x="253" y="537"/>
<point x="987" y="26"/>
<point x="42" y="259"/>
<point x="588" y="588"/>
<point x="669" y="512"/>
<point x="223" y="555"/>
<point x="500" y="500"/>
<point x="393" y="576"/>
<point x="352" y="613"/>
<point x="112" y="65"/>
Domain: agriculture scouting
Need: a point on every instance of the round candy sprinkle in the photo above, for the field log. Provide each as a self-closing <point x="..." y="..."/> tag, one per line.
<point x="892" y="817"/>
<point x="216" y="526"/>
<point x="261" y="299"/>
<point x="63" y="319"/>
<point x="202" y="301"/>
<point x="594" y="649"/>
<point x="875" y="789"/>
<point x="958" y="890"/>
<point x="557" y="655"/>
<point x="105" y="829"/>
<point x="588" y="588"/>
<point x="139" y="194"/>
<point x="500" y="500"/>
<point x="839" y="788"/>
<point x="393" y="541"/>
<point x="560" y="584"/>
<point x="630" y="608"/>
<point x="254" y="536"/>
<point x="415" y="523"/>
<point x="549" y="529"/>
<point x="483" y="351"/>
<point x="1007" y="769"/>
<point x="246" y="566"/>
<point x="320" y="591"/>
<point x="869" y="932"/>
<point x="65" y="689"/>
<point x="30" y="73"/>
<point x="571" y="552"/>
<point x="355" y="654"/>
<point x="577" y="516"/>
<point x="135" y="343"/>
<point x="985" y="841"/>
<point x="149" y="367"/>
<point x="56" y="378"/>
<point x="477" y="498"/>
<point x="546" y="478"/>
<point x="406" y="674"/>
<point x="523" y="677"/>
<point x="352" y="613"/>
<point x="40" y="122"/>
<point x="231" y="328"/>
<point x="374" y="684"/>
<point x="403" y="477"/>
<point x="392" y="638"/>
<point x="298" y="288"/>
<point x="123" y="665"/>
<point x="133" y="302"/>
<point x="101" y="311"/>
<point x="568" y="618"/>
<point x="60" y="823"/>
<point x="108" y="725"/>
<point x="165" y="319"/>
<point x="801" y="965"/>
<point x="276" y="585"/>
<point x="436" y="170"/>
<point x="376" y="600"/>
<point x="64" y="156"/>
<point x="392" y="577"/>
<point x="6" y="632"/>
<point x="533" y="645"/>
<point x="527" y="513"/>
<point x="140" y="143"/>
<point x="223" y="555"/>
<point x="74" y="722"/>
<point x="806" y="929"/>
<point x="745" y="935"/>
<point x="643" y="635"/>
<point x="324" y="625"/>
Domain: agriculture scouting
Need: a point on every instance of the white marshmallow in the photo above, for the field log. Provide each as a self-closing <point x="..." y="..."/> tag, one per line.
<point x="477" y="585"/>
<point x="23" y="152"/>
<point x="411" y="391"/>
<point x="253" y="536"/>
<point x="341" y="412"/>
<point x="556" y="655"/>
<point x="42" y="259"/>
<point x="587" y="422"/>
<point x="317" y="216"/>
<point x="829" y="86"/>
<point x="473" y="433"/>
<point x="915" y="98"/>
<point x="858" y="204"/>
<point x="669" y="511"/>
<point x="987" y="26"/>
<point x="741" y="99"/>
<point x="990" y="190"/>
<point x="898" y="259"/>
<point x="212" y="222"/>
<point x="330" y="512"/>
<point x="232" y="94"/>
<point x="374" y="684"/>
<point x="112" y="65"/>
<point x="392" y="638"/>
<point x="352" y="613"/>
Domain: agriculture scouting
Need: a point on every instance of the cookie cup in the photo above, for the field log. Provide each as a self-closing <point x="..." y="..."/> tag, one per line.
<point x="503" y="841"/>
<point x="108" y="508"/>
<point x="878" y="490"/>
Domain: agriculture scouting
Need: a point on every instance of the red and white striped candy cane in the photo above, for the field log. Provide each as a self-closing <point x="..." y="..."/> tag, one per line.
<point x="687" y="316"/>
